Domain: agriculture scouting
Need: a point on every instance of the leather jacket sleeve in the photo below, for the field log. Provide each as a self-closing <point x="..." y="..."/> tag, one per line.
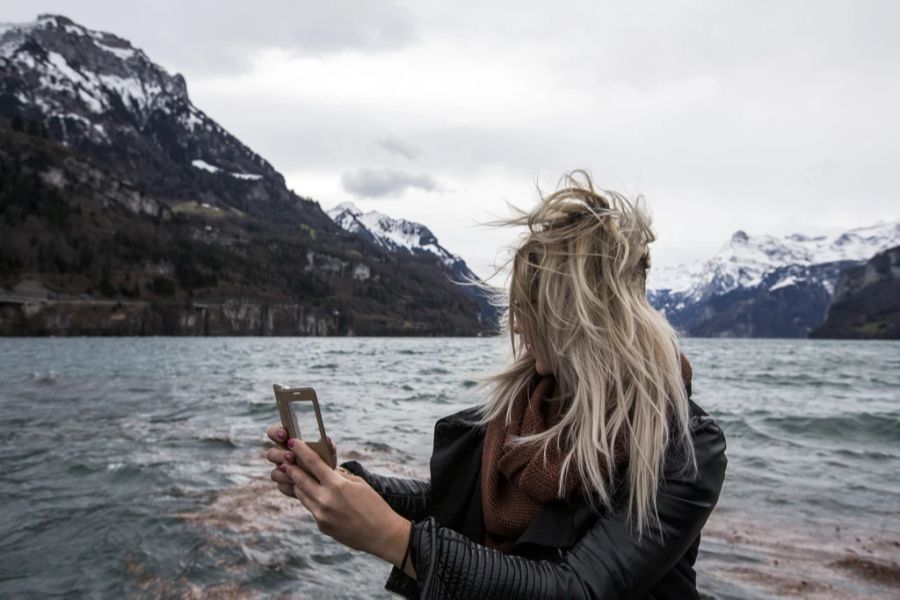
<point x="609" y="562"/>
<point x="410" y="498"/>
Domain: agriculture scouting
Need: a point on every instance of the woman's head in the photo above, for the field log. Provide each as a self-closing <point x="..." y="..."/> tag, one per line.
<point x="581" y="265"/>
<point x="577" y="308"/>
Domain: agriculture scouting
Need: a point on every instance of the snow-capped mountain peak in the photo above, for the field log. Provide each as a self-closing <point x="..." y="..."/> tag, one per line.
<point x="401" y="235"/>
<point x="97" y="68"/>
<point x="93" y="89"/>
<point x="390" y="233"/>
<point x="765" y="285"/>
<point x="745" y="260"/>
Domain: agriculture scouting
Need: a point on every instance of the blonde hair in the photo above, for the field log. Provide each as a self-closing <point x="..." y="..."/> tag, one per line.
<point x="577" y="293"/>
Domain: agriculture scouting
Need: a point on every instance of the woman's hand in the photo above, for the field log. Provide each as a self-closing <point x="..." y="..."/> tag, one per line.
<point x="279" y="454"/>
<point x="344" y="506"/>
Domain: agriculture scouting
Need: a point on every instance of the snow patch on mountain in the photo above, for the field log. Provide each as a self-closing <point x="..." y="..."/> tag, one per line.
<point x="210" y="168"/>
<point x="246" y="176"/>
<point x="123" y="53"/>
<point x="205" y="166"/>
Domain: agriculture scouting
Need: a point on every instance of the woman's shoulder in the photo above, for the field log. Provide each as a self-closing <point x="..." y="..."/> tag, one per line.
<point x="464" y="419"/>
<point x="709" y="456"/>
<point x="703" y="426"/>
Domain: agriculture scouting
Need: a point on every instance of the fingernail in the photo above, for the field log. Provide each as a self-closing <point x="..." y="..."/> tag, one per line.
<point x="281" y="434"/>
<point x="290" y="443"/>
<point x="288" y="456"/>
<point x="282" y="467"/>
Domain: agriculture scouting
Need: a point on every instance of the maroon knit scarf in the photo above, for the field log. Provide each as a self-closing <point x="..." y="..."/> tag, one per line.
<point x="515" y="482"/>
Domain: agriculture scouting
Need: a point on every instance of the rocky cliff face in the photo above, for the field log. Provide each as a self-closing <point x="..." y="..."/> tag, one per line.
<point x="126" y="317"/>
<point x="764" y="286"/>
<point x="866" y="301"/>
<point x="115" y="190"/>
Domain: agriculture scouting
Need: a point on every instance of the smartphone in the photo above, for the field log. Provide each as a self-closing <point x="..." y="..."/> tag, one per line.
<point x="299" y="411"/>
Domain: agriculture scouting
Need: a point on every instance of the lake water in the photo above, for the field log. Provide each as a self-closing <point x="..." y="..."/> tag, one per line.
<point x="135" y="465"/>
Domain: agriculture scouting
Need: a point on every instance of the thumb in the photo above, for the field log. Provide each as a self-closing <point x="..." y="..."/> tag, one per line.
<point x="333" y="449"/>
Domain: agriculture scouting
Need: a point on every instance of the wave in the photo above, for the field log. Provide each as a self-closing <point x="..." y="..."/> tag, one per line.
<point x="867" y="427"/>
<point x="47" y="378"/>
<point x="434" y="371"/>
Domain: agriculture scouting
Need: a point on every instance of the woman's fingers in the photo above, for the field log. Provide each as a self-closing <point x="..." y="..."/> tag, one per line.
<point x="279" y="455"/>
<point x="310" y="460"/>
<point x="285" y="485"/>
<point x="306" y="483"/>
<point x="305" y="500"/>
<point x="277" y="434"/>
<point x="333" y="447"/>
<point x="305" y="489"/>
<point x="279" y="476"/>
<point x="299" y="471"/>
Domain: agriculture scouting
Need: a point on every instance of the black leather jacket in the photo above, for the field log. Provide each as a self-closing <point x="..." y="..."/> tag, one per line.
<point x="568" y="551"/>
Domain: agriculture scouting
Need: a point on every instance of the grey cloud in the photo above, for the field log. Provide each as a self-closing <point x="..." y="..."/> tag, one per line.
<point x="401" y="147"/>
<point x="381" y="183"/>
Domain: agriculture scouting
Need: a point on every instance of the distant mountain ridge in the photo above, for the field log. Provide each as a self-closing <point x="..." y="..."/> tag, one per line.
<point x="402" y="235"/>
<point x="745" y="260"/>
<point x="235" y="240"/>
<point x="764" y="285"/>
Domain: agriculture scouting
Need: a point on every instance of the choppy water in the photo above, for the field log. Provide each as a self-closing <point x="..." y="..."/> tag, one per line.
<point x="135" y="465"/>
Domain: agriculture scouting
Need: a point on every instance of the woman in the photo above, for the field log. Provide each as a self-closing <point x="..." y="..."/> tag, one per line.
<point x="587" y="473"/>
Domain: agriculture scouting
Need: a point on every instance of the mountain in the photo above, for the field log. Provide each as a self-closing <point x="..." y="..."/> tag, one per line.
<point x="764" y="286"/>
<point x="125" y="209"/>
<point x="408" y="237"/>
<point x="866" y="301"/>
<point x="100" y="96"/>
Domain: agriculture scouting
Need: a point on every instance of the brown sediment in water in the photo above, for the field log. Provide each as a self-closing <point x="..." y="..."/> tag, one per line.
<point x="253" y="507"/>
<point x="151" y="585"/>
<point x="886" y="574"/>
<point x="826" y="563"/>
<point x="257" y="506"/>
<point x="248" y="516"/>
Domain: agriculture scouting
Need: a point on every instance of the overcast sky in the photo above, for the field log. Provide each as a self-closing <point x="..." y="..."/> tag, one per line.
<point x="772" y="117"/>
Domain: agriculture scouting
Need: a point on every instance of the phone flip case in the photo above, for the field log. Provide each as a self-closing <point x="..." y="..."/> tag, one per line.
<point x="286" y="397"/>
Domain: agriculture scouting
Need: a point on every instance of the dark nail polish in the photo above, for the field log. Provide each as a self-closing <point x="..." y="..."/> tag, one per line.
<point x="290" y="443"/>
<point x="282" y="467"/>
<point x="288" y="456"/>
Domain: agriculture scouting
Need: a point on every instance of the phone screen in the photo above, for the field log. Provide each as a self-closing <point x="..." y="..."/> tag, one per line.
<point x="305" y="420"/>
